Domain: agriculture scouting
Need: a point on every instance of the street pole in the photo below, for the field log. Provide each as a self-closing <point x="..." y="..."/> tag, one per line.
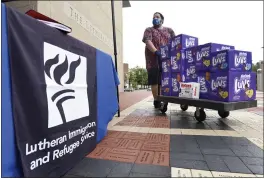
<point x="115" y="53"/>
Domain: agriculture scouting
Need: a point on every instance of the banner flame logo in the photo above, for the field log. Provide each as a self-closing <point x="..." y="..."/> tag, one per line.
<point x="61" y="69"/>
<point x="58" y="73"/>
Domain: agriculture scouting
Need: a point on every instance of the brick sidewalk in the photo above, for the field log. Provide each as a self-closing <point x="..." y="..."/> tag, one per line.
<point x="145" y="143"/>
<point x="260" y="109"/>
<point x="128" y="99"/>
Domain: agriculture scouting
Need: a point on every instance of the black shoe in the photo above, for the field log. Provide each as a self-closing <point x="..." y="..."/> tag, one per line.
<point x="164" y="107"/>
<point x="157" y="104"/>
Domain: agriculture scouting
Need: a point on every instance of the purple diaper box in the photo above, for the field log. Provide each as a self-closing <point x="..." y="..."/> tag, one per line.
<point x="205" y="51"/>
<point x="165" y="84"/>
<point x="231" y="60"/>
<point x="189" y="55"/>
<point x="176" y="60"/>
<point x="175" y="84"/>
<point x="165" y="80"/>
<point x="165" y="64"/>
<point x="165" y="91"/>
<point x="165" y="52"/>
<point x="204" y="79"/>
<point x="188" y="72"/>
<point x="233" y="86"/>
<point x="205" y="65"/>
<point x="183" y="41"/>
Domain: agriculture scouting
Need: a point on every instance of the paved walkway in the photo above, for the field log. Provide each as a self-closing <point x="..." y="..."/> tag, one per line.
<point x="144" y="143"/>
<point x="128" y="99"/>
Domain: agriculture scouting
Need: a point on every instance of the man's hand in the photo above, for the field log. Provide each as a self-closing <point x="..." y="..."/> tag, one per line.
<point x="157" y="53"/>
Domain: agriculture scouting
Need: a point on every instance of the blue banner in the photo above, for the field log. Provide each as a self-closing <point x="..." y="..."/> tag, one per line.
<point x="35" y="67"/>
<point x="54" y="96"/>
<point x="10" y="161"/>
<point x="107" y="81"/>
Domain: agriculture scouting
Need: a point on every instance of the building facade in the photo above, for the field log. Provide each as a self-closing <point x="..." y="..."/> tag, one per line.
<point x="260" y="76"/>
<point x="126" y="70"/>
<point x="91" y="22"/>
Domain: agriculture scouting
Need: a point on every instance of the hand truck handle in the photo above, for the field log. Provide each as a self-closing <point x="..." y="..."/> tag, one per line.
<point x="159" y="73"/>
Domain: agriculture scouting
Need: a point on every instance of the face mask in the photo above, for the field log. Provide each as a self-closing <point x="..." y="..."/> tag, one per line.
<point x="156" y="21"/>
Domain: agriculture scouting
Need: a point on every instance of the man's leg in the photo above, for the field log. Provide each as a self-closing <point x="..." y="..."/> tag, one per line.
<point x="154" y="89"/>
<point x="153" y="81"/>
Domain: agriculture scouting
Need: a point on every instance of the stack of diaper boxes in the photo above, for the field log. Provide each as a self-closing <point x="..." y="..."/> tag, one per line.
<point x="173" y="64"/>
<point x="224" y="73"/>
<point x="202" y="62"/>
<point x="165" y="70"/>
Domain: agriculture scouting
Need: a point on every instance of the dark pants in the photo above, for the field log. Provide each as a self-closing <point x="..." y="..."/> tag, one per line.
<point x="153" y="75"/>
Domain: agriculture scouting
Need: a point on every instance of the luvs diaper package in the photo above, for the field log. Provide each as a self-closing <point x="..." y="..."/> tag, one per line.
<point x="175" y="84"/>
<point x="204" y="78"/>
<point x="204" y="51"/>
<point x="231" y="60"/>
<point x="233" y="86"/>
<point x="183" y="41"/>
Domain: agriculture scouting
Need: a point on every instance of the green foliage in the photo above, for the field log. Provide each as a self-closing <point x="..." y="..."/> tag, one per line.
<point x="137" y="76"/>
<point x="255" y="67"/>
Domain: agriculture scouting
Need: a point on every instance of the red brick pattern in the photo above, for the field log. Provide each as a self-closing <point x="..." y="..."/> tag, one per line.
<point x="145" y="157"/>
<point x="122" y="155"/>
<point x="255" y="109"/>
<point x="158" y="137"/>
<point x="161" y="158"/>
<point x="99" y="152"/>
<point x="135" y="144"/>
<point x="156" y="146"/>
<point x="128" y="99"/>
<point x="114" y="134"/>
<point x="146" y="121"/>
<point x="134" y="147"/>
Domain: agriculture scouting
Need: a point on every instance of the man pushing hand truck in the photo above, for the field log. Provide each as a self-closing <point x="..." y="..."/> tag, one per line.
<point x="154" y="37"/>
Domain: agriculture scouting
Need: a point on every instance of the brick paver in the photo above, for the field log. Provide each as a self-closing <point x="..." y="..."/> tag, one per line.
<point x="133" y="147"/>
<point x="145" y="143"/>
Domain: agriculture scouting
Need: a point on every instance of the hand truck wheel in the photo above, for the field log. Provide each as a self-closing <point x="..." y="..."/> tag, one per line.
<point x="223" y="114"/>
<point x="199" y="115"/>
<point x="164" y="108"/>
<point x="184" y="107"/>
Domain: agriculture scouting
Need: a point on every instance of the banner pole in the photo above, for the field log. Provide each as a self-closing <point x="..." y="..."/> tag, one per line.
<point x="115" y="53"/>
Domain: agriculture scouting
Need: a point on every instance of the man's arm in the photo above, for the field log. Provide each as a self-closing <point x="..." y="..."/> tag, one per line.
<point x="150" y="46"/>
<point x="147" y="39"/>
